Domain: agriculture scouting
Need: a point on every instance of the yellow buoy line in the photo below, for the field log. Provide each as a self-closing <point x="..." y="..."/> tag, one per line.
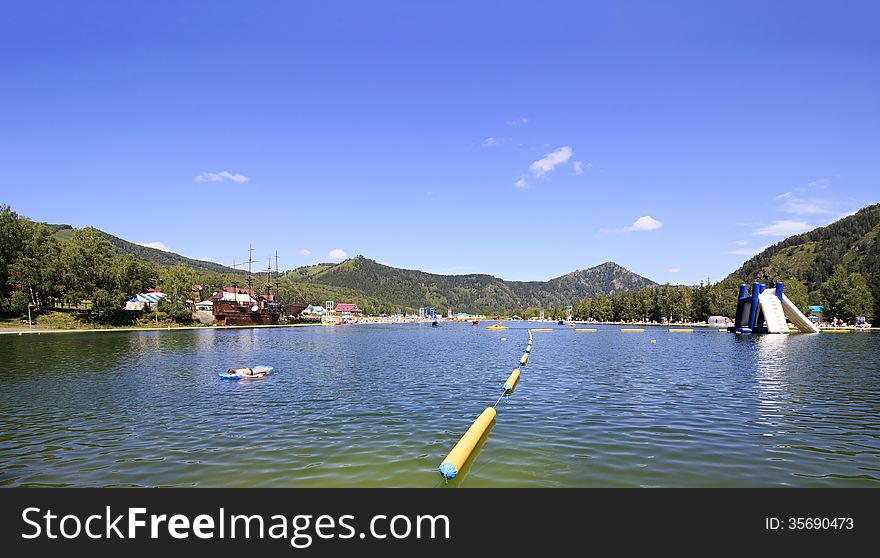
<point x="459" y="455"/>
<point x="462" y="451"/>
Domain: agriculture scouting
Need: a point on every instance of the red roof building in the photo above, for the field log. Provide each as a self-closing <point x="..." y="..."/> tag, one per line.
<point x="345" y="308"/>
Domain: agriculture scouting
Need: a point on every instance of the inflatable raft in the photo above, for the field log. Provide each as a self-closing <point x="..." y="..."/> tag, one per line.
<point x="246" y="373"/>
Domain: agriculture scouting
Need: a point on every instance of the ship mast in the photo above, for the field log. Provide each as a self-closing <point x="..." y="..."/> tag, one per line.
<point x="234" y="282"/>
<point x="250" y="278"/>
<point x="269" y="279"/>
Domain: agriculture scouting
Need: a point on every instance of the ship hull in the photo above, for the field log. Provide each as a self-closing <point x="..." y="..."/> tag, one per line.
<point x="231" y="313"/>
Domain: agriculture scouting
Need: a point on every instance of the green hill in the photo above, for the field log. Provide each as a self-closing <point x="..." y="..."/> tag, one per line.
<point x="474" y="292"/>
<point x="811" y="257"/>
<point x="121" y="246"/>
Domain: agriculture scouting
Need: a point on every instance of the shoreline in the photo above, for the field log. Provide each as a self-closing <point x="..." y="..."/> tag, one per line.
<point x="129" y="329"/>
<point x="17" y="331"/>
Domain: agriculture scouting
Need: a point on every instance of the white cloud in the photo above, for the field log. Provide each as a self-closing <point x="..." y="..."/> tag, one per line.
<point x="673" y="270"/>
<point x="740" y="242"/>
<point x="220" y="177"/>
<point x="783" y="228"/>
<point x="645" y="223"/>
<point x="305" y="252"/>
<point x="819" y="184"/>
<point x="578" y="167"/>
<point x="745" y="251"/>
<point x="792" y="203"/>
<point x="337" y="254"/>
<point x="490" y="142"/>
<point x="157" y="245"/>
<point x="521" y="121"/>
<point x="550" y="161"/>
<point x="521" y="183"/>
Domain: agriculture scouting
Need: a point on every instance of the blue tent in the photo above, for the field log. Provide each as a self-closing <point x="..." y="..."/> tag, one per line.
<point x="149" y="298"/>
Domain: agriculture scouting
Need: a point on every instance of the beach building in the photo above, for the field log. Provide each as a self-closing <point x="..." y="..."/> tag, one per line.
<point x="346" y="309"/>
<point x="314" y="310"/>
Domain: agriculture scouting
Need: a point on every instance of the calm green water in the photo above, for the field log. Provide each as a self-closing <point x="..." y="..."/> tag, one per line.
<point x="381" y="405"/>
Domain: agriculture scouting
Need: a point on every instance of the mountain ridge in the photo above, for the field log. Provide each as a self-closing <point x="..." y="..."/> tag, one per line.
<point x="811" y="257"/>
<point x="474" y="291"/>
<point x="147" y="253"/>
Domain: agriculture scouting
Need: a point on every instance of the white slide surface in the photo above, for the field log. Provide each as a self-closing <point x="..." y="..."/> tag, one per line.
<point x="797" y="317"/>
<point x="773" y="312"/>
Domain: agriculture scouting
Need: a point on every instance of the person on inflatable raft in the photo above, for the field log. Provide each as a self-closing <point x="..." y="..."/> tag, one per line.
<point x="245" y="372"/>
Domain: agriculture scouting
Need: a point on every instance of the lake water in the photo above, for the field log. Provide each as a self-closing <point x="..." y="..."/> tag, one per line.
<point x="382" y="405"/>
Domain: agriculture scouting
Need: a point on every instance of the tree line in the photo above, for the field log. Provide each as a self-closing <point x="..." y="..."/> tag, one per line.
<point x="85" y="273"/>
<point x="846" y="295"/>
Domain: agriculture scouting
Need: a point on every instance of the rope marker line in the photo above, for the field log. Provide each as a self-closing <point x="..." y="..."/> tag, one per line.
<point x="460" y="453"/>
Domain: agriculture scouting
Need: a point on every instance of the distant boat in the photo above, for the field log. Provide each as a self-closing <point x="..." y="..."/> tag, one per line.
<point x="560" y="322"/>
<point x="475" y="322"/>
<point x="434" y="323"/>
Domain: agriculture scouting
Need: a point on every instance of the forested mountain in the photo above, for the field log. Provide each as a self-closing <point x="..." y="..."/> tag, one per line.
<point x="146" y="253"/>
<point x="474" y="292"/>
<point x="606" y="279"/>
<point x="812" y="257"/>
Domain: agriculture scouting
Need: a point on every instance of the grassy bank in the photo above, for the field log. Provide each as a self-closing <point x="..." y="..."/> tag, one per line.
<point x="61" y="322"/>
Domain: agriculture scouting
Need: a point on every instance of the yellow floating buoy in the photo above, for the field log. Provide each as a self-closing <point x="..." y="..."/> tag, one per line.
<point x="723" y="330"/>
<point x="837" y="330"/>
<point x="681" y="331"/>
<point x="524" y="360"/>
<point x="511" y="382"/>
<point x="587" y="329"/>
<point x="632" y="330"/>
<point x="462" y="450"/>
<point x="653" y="340"/>
<point x="542" y="329"/>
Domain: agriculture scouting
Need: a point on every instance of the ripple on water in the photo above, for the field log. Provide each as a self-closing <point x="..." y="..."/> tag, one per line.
<point x="382" y="405"/>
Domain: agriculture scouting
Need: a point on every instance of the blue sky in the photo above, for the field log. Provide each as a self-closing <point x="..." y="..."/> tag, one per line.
<point x="520" y="140"/>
